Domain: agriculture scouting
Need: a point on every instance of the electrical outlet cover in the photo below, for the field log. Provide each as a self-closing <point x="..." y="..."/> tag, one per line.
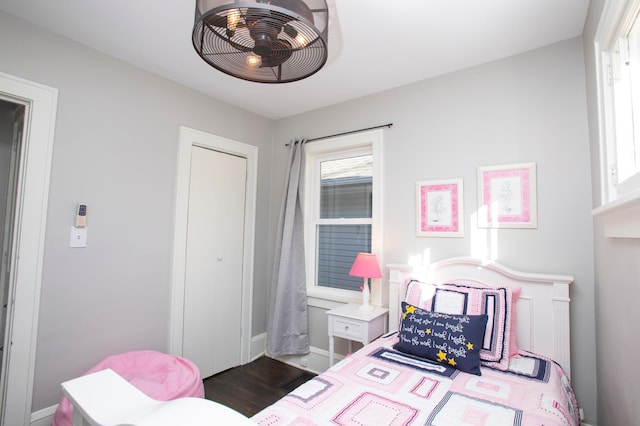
<point x="78" y="237"/>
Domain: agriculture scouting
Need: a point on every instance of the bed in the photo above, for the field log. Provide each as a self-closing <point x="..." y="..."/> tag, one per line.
<point x="470" y="343"/>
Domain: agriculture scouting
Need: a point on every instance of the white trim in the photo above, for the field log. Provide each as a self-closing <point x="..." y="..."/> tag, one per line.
<point x="43" y="417"/>
<point x="622" y="203"/>
<point x="324" y="303"/>
<point x="618" y="212"/>
<point x="371" y="141"/>
<point x="316" y="361"/>
<point x="258" y="346"/>
<point x="616" y="17"/>
<point x="29" y="234"/>
<point x="621" y="217"/>
<point x="188" y="138"/>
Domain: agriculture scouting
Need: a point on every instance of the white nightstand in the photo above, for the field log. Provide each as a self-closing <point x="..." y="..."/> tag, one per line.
<point x="350" y="323"/>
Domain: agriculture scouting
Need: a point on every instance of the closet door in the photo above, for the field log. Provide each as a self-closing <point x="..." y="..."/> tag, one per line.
<point x="213" y="277"/>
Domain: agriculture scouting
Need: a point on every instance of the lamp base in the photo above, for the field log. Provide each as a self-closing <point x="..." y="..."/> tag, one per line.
<point x="365" y="308"/>
<point x="366" y="297"/>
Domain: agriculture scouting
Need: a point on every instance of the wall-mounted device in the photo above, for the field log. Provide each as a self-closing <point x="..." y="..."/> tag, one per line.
<point x="79" y="229"/>
<point x="81" y="216"/>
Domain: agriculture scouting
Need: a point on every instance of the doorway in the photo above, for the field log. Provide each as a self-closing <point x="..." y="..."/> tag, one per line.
<point x="11" y="131"/>
<point x="241" y="154"/>
<point x="32" y="168"/>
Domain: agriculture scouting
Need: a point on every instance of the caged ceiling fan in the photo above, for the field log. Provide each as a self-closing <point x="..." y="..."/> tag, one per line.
<point x="265" y="41"/>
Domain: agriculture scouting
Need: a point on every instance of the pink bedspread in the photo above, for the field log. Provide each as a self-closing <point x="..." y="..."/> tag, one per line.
<point x="160" y="376"/>
<point x="380" y="386"/>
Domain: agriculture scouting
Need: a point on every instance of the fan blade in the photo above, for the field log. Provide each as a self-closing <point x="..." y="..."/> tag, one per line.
<point x="281" y="51"/>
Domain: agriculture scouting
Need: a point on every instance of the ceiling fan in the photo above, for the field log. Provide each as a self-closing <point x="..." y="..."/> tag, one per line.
<point x="265" y="41"/>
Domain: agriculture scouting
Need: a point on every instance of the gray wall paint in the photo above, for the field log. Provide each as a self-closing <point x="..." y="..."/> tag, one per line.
<point x="115" y="145"/>
<point x="617" y="278"/>
<point x="530" y="107"/>
<point x="115" y="149"/>
<point x="617" y="316"/>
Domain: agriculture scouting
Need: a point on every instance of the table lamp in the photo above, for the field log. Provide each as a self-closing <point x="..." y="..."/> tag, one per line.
<point x="366" y="266"/>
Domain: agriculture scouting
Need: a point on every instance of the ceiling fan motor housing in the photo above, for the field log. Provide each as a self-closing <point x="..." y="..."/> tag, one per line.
<point x="276" y="41"/>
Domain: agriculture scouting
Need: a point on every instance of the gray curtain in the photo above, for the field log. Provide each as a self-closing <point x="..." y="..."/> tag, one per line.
<point x="287" y="318"/>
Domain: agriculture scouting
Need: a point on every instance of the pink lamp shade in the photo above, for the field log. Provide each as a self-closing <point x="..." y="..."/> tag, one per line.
<point x="366" y="266"/>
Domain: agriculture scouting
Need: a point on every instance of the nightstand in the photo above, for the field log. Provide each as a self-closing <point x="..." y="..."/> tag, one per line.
<point x="350" y="323"/>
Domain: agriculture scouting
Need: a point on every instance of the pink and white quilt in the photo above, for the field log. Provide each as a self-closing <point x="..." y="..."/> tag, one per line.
<point x="380" y="386"/>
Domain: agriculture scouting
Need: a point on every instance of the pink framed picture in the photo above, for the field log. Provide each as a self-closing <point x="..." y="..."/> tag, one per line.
<point x="507" y="196"/>
<point x="440" y="208"/>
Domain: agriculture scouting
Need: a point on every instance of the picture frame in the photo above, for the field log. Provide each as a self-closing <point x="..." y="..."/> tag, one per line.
<point x="507" y="196"/>
<point x="439" y="208"/>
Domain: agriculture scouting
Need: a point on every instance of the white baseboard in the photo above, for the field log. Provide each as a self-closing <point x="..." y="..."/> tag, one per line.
<point x="258" y="346"/>
<point x="316" y="361"/>
<point x="43" y="417"/>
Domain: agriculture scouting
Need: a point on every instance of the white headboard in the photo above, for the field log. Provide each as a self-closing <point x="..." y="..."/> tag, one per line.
<point x="542" y="310"/>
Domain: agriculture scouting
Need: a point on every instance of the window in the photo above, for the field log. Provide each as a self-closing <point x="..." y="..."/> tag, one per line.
<point x="342" y="205"/>
<point x="618" y="50"/>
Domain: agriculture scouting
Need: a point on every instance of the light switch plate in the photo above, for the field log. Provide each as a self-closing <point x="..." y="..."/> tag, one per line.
<point x="78" y="237"/>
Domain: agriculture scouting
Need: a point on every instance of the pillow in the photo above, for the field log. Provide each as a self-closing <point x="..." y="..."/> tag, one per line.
<point x="420" y="294"/>
<point x="497" y="303"/>
<point x="513" y="347"/>
<point x="453" y="340"/>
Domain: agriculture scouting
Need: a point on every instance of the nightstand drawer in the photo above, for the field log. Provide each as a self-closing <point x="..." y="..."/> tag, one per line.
<point x="345" y="328"/>
<point x="351" y="322"/>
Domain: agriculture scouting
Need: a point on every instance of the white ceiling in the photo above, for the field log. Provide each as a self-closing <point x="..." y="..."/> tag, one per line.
<point x="374" y="45"/>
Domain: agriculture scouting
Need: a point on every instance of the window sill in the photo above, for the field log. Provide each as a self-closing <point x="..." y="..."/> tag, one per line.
<point x="621" y="217"/>
<point x="331" y="299"/>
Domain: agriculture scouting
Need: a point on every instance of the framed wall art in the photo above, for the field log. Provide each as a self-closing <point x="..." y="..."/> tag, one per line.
<point x="507" y="196"/>
<point x="439" y="208"/>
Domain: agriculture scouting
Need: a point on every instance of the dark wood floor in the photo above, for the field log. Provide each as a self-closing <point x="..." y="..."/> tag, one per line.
<point x="254" y="386"/>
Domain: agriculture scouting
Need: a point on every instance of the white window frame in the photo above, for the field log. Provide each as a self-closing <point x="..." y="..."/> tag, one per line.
<point x="364" y="143"/>
<point x="617" y="17"/>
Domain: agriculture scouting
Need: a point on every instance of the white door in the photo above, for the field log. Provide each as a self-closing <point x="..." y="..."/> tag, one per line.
<point x="214" y="260"/>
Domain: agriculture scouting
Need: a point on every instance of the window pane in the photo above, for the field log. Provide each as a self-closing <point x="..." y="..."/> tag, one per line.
<point x="346" y="188"/>
<point x="625" y="70"/>
<point x="338" y="246"/>
<point x="634" y="75"/>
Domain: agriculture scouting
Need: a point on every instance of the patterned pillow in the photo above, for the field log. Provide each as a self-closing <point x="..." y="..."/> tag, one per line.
<point x="453" y="340"/>
<point x="513" y="342"/>
<point x="497" y="303"/>
<point x="420" y="294"/>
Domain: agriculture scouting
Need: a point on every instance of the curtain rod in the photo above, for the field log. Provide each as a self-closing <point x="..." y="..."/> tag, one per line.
<point x="347" y="133"/>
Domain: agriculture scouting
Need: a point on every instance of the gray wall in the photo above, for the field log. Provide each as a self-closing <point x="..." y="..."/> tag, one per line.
<point x="115" y="149"/>
<point x="531" y="107"/>
<point x="617" y="280"/>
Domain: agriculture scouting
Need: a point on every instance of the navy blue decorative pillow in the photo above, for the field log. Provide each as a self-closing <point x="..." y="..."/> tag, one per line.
<point x="454" y="340"/>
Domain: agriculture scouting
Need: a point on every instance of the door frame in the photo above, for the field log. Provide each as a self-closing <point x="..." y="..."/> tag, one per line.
<point x="188" y="138"/>
<point x="29" y="241"/>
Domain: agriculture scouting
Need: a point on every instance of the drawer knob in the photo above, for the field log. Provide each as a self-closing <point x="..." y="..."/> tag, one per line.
<point x="346" y="327"/>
